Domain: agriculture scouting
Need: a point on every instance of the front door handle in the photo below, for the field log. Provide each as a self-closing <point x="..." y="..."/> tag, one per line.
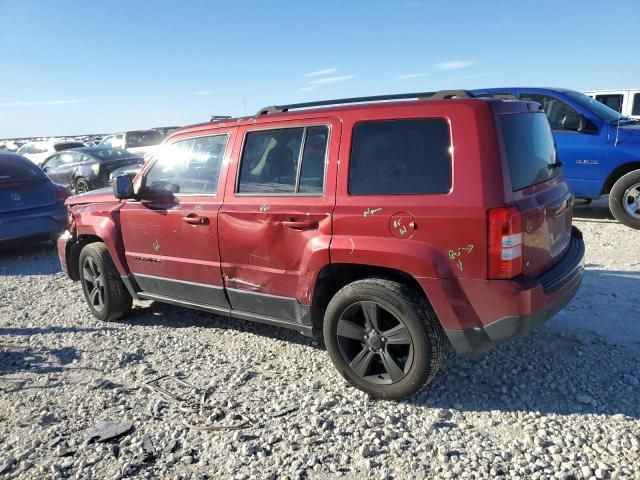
<point x="300" y="224"/>
<point x="194" y="219"/>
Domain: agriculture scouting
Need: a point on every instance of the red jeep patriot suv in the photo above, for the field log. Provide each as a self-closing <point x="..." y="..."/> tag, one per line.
<point x="385" y="224"/>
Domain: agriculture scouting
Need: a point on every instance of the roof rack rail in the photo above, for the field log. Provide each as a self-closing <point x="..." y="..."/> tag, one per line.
<point x="215" y="118"/>
<point x="499" y="96"/>
<point x="439" y="95"/>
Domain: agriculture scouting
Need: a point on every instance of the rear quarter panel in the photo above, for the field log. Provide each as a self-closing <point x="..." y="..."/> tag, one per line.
<point x="449" y="243"/>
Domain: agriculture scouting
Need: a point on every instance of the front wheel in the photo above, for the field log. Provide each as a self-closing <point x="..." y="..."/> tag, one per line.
<point x="383" y="338"/>
<point x="106" y="295"/>
<point x="624" y="199"/>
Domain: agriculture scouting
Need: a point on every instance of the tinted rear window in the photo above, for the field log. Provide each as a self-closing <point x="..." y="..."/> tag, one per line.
<point x="18" y="168"/>
<point x="401" y="157"/>
<point x="529" y="147"/>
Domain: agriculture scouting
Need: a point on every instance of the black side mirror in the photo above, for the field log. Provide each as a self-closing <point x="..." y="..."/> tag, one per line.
<point x="123" y="188"/>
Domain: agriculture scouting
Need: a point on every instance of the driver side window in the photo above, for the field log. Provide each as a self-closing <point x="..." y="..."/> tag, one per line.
<point x="556" y="110"/>
<point x="190" y="167"/>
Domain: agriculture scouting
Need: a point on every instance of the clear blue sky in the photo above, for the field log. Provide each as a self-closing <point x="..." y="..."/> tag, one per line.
<point x="79" y="66"/>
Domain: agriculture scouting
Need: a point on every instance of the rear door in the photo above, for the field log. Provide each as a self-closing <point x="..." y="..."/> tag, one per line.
<point x="275" y="225"/>
<point x="171" y="235"/>
<point x="539" y="189"/>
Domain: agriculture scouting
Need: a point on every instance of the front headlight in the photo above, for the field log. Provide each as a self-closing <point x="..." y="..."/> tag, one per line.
<point x="95" y="168"/>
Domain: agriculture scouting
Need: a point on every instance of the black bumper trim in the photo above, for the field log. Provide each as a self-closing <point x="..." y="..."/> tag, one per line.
<point x="563" y="271"/>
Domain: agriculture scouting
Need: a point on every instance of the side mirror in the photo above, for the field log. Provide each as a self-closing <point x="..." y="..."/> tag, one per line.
<point x="123" y="188"/>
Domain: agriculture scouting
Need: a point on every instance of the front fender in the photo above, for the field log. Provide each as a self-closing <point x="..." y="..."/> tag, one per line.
<point x="103" y="221"/>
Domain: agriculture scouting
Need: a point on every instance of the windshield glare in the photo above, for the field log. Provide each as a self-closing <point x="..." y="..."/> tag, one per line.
<point x="598" y="109"/>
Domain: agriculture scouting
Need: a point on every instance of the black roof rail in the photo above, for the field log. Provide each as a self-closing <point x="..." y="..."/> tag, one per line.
<point x="439" y="95"/>
<point x="215" y="118"/>
<point x="499" y="96"/>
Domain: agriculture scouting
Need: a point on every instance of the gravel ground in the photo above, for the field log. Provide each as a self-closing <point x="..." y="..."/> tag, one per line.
<point x="561" y="403"/>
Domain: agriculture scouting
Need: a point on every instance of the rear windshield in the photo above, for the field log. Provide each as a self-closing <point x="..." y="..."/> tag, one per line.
<point x="528" y="142"/>
<point x="18" y="168"/>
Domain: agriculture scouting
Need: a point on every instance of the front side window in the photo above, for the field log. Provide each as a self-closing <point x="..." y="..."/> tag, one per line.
<point x="284" y="161"/>
<point x="189" y="167"/>
<point x="556" y="110"/>
<point x="613" y="101"/>
<point x="401" y="157"/>
<point x="635" y="109"/>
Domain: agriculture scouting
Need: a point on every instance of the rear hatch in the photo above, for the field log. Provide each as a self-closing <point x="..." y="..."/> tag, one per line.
<point x="23" y="186"/>
<point x="540" y="191"/>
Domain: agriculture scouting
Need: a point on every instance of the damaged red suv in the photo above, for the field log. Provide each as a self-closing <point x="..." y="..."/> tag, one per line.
<point x="385" y="225"/>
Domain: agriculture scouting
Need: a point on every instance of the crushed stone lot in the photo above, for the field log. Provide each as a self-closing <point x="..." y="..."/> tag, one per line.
<point x="241" y="400"/>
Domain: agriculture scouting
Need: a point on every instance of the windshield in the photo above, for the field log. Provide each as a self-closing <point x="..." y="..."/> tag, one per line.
<point x="598" y="109"/>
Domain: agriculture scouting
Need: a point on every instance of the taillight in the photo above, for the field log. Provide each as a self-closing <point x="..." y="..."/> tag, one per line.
<point x="505" y="242"/>
<point x="62" y="193"/>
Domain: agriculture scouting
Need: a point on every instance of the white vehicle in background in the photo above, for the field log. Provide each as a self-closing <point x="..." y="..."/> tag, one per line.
<point x="140" y="142"/>
<point x="624" y="101"/>
<point x="38" y="152"/>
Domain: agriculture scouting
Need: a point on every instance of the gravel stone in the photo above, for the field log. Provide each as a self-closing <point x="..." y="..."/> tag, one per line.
<point x="561" y="403"/>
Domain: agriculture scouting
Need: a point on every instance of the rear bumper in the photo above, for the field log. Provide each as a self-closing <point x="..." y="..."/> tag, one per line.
<point x="41" y="222"/>
<point x="539" y="302"/>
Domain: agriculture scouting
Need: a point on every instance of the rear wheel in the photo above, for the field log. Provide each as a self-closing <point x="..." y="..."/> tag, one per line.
<point x="82" y="185"/>
<point x="624" y="199"/>
<point x="383" y="338"/>
<point x="106" y="295"/>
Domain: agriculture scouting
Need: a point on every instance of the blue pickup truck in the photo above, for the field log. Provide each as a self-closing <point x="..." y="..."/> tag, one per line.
<point x="598" y="147"/>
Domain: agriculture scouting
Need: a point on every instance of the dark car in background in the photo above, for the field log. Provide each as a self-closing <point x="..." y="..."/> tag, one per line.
<point x="31" y="205"/>
<point x="87" y="168"/>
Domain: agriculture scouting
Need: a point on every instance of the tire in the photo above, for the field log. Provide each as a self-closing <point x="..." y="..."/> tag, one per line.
<point x="624" y="199"/>
<point x="108" y="299"/>
<point x="400" y="315"/>
<point x="82" y="185"/>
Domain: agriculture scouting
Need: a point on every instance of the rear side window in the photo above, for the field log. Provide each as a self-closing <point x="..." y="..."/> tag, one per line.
<point x="635" y="109"/>
<point x="18" y="168"/>
<point x="190" y="167"/>
<point x="401" y="157"/>
<point x="284" y="161"/>
<point x="530" y="150"/>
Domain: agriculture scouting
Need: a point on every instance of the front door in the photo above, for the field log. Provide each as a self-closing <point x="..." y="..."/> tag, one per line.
<point x="275" y="224"/>
<point x="171" y="235"/>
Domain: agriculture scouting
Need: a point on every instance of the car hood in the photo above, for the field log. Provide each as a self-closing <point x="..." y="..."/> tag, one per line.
<point x="102" y="195"/>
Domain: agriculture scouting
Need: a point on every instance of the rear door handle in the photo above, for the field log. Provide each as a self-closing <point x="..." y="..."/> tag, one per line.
<point x="194" y="219"/>
<point x="300" y="224"/>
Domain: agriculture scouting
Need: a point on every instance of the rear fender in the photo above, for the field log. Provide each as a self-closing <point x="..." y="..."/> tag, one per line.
<point x="433" y="271"/>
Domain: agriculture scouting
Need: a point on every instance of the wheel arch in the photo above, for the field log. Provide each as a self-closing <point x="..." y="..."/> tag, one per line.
<point x="73" y="254"/>
<point x="619" y="172"/>
<point x="332" y="277"/>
